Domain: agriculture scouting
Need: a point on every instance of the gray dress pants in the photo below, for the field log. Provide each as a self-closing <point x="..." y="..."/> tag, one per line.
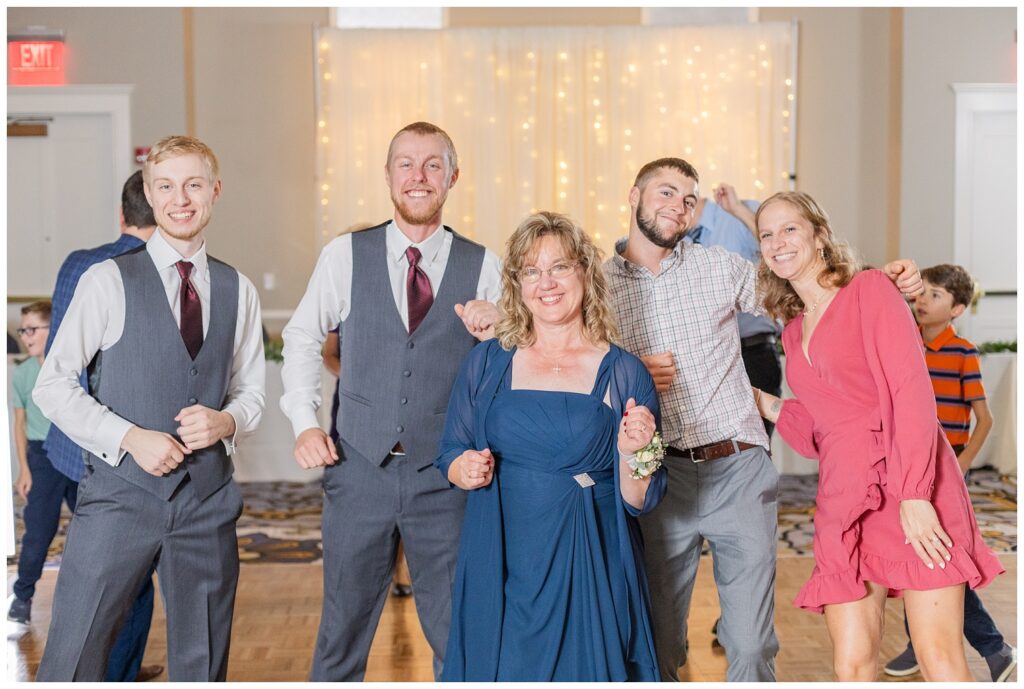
<point x="117" y="533"/>
<point x="366" y="508"/>
<point x="731" y="502"/>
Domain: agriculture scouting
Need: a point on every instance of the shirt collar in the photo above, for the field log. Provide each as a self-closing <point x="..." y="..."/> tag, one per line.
<point x="942" y="339"/>
<point x="165" y="256"/>
<point x="624" y="265"/>
<point x="397" y="243"/>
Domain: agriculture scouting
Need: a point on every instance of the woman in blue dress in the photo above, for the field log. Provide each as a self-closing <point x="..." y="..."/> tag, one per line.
<point x="541" y="425"/>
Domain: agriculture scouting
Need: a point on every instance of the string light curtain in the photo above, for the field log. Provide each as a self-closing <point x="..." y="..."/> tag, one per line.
<point x="553" y="118"/>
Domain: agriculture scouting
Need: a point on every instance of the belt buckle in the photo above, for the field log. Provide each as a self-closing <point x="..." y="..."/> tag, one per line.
<point x="693" y="458"/>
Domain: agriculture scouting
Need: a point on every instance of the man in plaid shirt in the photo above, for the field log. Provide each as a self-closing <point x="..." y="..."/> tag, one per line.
<point x="137" y="226"/>
<point x="677" y="304"/>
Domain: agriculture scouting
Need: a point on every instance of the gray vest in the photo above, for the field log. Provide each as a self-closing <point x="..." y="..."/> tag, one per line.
<point x="147" y="377"/>
<point x="394" y="386"/>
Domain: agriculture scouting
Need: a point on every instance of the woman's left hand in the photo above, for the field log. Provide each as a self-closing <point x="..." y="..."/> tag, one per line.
<point x="636" y="429"/>
<point x="924" y="533"/>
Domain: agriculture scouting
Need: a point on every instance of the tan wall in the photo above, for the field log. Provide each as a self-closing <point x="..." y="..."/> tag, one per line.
<point x="135" y="46"/>
<point x="943" y="46"/>
<point x="841" y="105"/>
<point x="254" y="102"/>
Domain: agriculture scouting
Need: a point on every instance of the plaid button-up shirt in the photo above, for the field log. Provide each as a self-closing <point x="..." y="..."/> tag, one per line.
<point x="64" y="454"/>
<point x="689" y="309"/>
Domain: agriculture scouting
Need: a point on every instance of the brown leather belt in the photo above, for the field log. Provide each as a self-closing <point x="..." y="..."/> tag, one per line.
<point x="704" y="453"/>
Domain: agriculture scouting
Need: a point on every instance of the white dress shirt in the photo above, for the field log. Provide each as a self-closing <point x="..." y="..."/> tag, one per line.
<point x="328" y="300"/>
<point x="95" y="321"/>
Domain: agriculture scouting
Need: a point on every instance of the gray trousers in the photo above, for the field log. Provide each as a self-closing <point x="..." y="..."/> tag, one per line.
<point x="117" y="533"/>
<point x="366" y="509"/>
<point x="731" y="502"/>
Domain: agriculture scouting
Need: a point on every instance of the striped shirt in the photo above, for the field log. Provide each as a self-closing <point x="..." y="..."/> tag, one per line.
<point x="689" y="308"/>
<point x="955" y="368"/>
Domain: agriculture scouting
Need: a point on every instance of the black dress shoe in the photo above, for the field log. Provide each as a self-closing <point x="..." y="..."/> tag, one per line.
<point x="20" y="611"/>
<point x="401" y="590"/>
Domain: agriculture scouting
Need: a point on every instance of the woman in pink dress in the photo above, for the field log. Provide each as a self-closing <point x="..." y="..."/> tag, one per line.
<point x="893" y="515"/>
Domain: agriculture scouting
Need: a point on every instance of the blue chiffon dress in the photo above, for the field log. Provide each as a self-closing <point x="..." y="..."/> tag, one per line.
<point x="549" y="584"/>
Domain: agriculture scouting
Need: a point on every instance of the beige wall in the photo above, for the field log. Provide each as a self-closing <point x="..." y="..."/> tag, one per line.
<point x="943" y="46"/>
<point x="841" y="105"/>
<point x="135" y="46"/>
<point x="254" y="102"/>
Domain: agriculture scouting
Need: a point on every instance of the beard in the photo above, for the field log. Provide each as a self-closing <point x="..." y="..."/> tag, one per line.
<point x="418" y="217"/>
<point x="649" y="228"/>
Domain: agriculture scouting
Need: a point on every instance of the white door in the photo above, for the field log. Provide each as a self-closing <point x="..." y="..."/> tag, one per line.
<point x="985" y="206"/>
<point x="58" y="198"/>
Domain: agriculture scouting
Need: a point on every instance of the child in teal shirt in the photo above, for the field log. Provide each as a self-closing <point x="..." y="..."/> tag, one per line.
<point x="43" y="487"/>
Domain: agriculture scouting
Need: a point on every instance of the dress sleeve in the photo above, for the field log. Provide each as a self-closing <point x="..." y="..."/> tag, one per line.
<point x="643" y="392"/>
<point x="796" y="427"/>
<point x="460" y="421"/>
<point x="891" y="338"/>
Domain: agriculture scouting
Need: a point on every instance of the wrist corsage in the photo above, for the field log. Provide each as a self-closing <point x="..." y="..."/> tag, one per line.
<point x="647" y="459"/>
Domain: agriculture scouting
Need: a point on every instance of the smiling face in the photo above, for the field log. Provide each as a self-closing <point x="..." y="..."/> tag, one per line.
<point x="552" y="301"/>
<point x="419" y="177"/>
<point x="664" y="208"/>
<point x="182" y="194"/>
<point x="35" y="343"/>
<point x="789" y="242"/>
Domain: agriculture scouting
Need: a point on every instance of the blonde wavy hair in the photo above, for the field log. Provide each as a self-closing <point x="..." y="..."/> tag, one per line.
<point x="515" y="326"/>
<point x="840" y="264"/>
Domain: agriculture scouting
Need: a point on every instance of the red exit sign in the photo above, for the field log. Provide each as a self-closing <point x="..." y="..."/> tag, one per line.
<point x="35" y="62"/>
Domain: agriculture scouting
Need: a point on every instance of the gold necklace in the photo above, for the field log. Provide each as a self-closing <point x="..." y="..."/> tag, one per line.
<point x="817" y="301"/>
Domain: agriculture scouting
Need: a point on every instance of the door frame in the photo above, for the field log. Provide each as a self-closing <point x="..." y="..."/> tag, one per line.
<point x="113" y="100"/>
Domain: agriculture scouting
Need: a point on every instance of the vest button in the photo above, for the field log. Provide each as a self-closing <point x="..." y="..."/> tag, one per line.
<point x="411" y="344"/>
<point x="192" y="400"/>
<point x="401" y="429"/>
<point x="194" y="372"/>
<point x="406" y="373"/>
<point x="405" y="400"/>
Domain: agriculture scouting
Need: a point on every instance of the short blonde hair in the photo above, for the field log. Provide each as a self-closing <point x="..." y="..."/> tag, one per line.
<point x="515" y="326"/>
<point x="427" y="129"/>
<point x="780" y="299"/>
<point x="178" y="145"/>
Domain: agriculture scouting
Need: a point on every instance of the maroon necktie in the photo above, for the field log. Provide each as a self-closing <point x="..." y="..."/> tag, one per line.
<point x="191" y="311"/>
<point x="417" y="289"/>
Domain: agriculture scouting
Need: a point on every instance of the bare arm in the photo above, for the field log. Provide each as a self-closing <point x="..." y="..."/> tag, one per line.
<point x="768" y="405"/>
<point x="981" y="430"/>
<point x="24" y="481"/>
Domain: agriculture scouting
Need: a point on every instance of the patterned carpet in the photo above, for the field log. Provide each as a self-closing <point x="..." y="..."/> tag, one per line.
<point x="281" y="521"/>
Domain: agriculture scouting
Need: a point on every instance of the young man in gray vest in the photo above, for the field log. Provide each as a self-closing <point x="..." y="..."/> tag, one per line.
<point x="398" y="291"/>
<point x="171" y="338"/>
<point x="677" y="305"/>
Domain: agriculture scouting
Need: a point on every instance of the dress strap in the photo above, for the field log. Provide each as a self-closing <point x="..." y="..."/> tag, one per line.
<point x="604" y="373"/>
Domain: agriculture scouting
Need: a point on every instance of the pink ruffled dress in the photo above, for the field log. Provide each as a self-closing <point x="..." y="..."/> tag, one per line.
<point x="865" y="408"/>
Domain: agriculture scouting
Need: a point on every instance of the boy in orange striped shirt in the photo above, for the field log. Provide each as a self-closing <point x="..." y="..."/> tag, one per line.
<point x="954" y="365"/>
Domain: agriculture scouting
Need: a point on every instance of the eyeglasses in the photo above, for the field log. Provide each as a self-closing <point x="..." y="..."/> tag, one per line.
<point x="30" y="331"/>
<point x="559" y="270"/>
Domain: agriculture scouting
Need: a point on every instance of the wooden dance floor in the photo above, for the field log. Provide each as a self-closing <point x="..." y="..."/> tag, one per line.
<point x="278" y="610"/>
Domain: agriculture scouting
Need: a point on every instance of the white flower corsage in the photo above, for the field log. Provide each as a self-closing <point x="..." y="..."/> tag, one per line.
<point x="647" y="459"/>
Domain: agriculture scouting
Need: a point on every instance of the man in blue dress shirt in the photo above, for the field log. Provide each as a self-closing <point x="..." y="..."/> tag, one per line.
<point x="137" y="226"/>
<point x="729" y="223"/>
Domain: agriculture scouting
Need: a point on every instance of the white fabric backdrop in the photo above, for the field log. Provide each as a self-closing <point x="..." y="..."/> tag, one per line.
<point x="552" y="118"/>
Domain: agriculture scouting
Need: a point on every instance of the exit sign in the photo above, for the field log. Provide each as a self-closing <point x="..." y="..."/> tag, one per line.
<point x="35" y="62"/>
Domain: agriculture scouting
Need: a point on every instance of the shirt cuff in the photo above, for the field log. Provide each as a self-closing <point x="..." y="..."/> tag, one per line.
<point x="110" y="438"/>
<point x="232" y="442"/>
<point x="303" y="420"/>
